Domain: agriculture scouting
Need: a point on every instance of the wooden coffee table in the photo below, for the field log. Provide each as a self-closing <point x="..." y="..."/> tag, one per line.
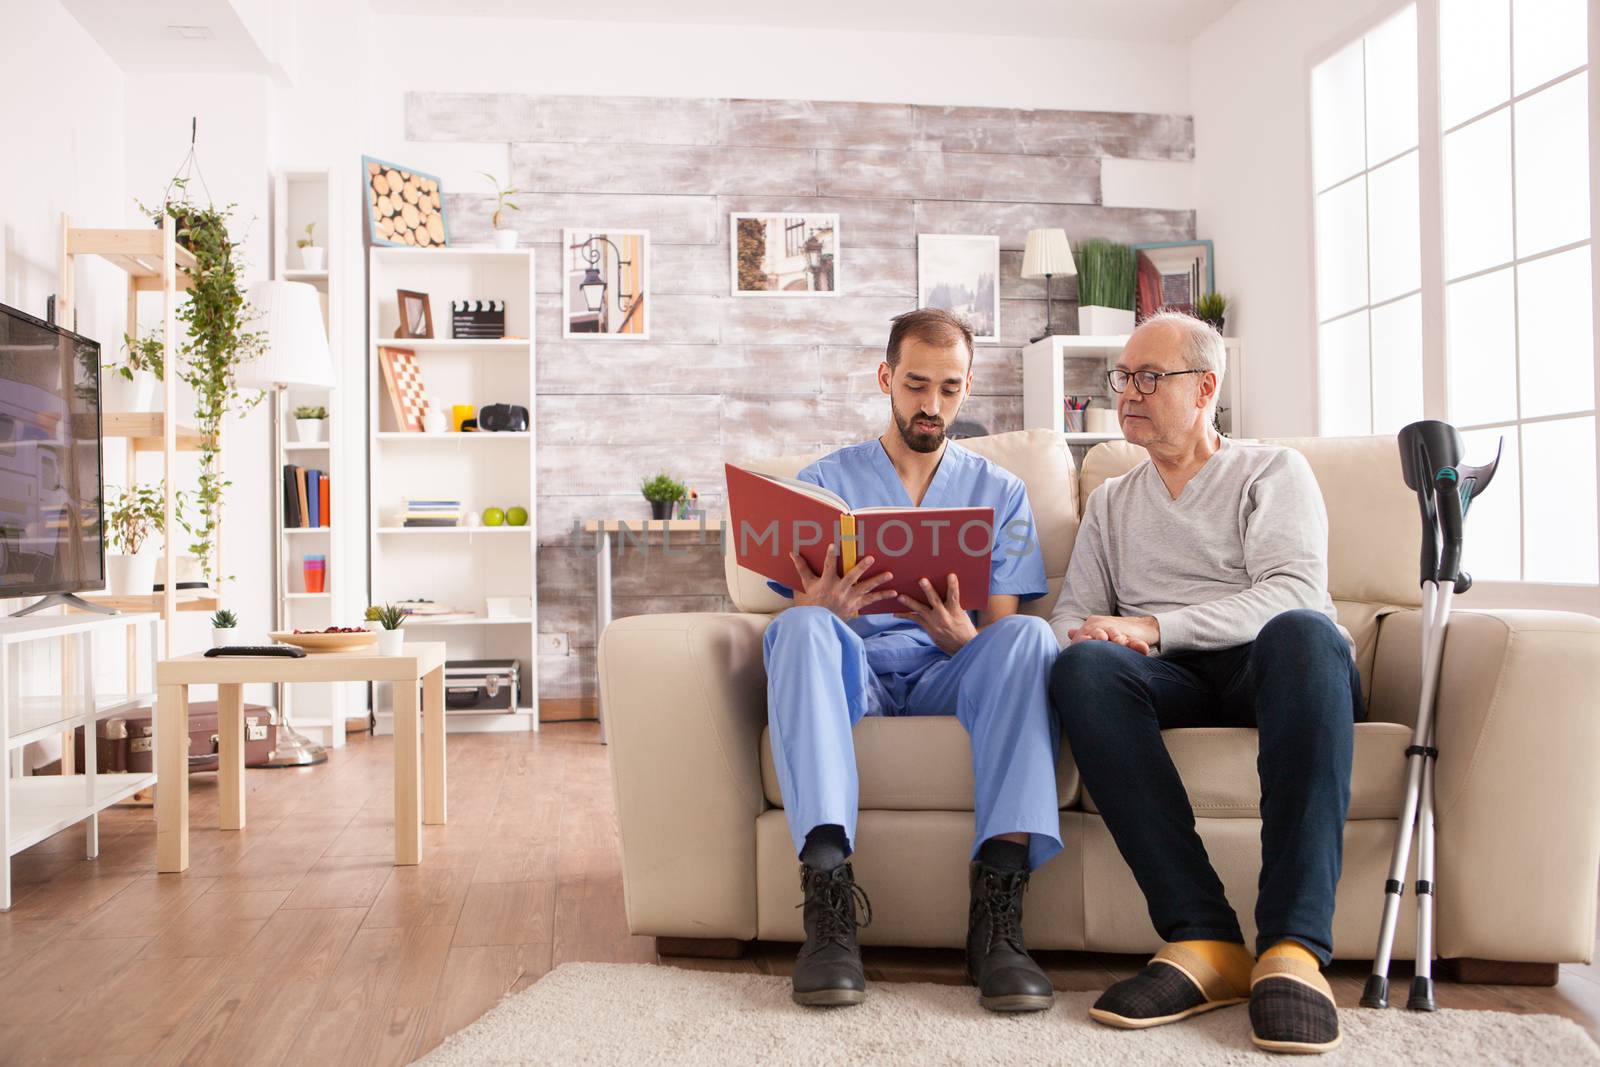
<point x="419" y="785"/>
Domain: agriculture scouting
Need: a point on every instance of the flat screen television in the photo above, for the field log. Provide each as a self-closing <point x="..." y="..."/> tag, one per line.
<point x="50" y="459"/>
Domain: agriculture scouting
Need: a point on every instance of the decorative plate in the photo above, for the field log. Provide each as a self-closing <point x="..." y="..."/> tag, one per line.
<point x="315" y="642"/>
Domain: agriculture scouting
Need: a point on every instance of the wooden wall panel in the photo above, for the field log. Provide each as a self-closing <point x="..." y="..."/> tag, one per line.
<point x="727" y="378"/>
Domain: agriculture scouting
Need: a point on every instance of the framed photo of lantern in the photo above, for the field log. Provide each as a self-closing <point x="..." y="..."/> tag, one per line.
<point x="605" y="284"/>
<point x="777" y="254"/>
<point x="405" y="207"/>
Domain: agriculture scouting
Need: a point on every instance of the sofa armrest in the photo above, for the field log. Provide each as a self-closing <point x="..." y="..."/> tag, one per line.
<point x="684" y="699"/>
<point x="1517" y="794"/>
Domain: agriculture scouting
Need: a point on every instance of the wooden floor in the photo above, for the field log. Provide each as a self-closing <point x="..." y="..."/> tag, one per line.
<point x="297" y="940"/>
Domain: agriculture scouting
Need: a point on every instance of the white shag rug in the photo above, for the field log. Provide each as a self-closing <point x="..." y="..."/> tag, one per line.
<point x="629" y="1013"/>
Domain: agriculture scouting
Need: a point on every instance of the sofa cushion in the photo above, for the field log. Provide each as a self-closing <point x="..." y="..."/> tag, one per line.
<point x="1039" y="457"/>
<point x="1218" y="768"/>
<point x="915" y="763"/>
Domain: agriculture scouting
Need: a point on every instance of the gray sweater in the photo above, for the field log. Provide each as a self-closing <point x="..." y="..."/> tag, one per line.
<point x="1247" y="539"/>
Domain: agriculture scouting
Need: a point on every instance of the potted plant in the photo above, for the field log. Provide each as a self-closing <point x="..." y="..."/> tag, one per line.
<point x="1212" y="308"/>
<point x="1105" y="288"/>
<point x="133" y="516"/>
<point x="311" y="424"/>
<point x="390" y="636"/>
<point x="224" y="625"/>
<point x="504" y="237"/>
<point x="131" y="385"/>
<point x="663" y="493"/>
<point x="310" y="251"/>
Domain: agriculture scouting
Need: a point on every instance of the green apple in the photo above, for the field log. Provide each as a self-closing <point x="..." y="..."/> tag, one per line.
<point x="516" y="516"/>
<point x="494" y="517"/>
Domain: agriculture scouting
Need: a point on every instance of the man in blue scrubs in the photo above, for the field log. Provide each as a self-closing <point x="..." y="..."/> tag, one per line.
<point x="828" y="665"/>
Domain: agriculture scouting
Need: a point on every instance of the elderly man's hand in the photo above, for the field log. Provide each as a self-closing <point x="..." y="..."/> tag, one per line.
<point x="1140" y="633"/>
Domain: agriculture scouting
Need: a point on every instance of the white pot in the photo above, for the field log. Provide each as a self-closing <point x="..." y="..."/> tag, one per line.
<point x="131" y="575"/>
<point x="310" y="431"/>
<point x="223" y="635"/>
<point x="1095" y="321"/>
<point x="122" y="395"/>
<point x="390" y="642"/>
<point x="1101" y="420"/>
<point x="505" y="238"/>
<point x="311" y="257"/>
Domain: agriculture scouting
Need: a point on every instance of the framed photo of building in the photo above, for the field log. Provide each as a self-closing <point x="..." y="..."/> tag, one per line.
<point x="605" y="284"/>
<point x="960" y="273"/>
<point x="1171" y="274"/>
<point x="773" y="254"/>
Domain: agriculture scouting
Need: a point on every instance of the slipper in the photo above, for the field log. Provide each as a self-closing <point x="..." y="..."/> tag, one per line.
<point x="1176" y="984"/>
<point x="1292" y="1007"/>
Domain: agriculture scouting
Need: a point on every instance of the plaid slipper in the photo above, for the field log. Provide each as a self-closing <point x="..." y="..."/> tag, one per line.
<point x="1292" y="1008"/>
<point x="1176" y="984"/>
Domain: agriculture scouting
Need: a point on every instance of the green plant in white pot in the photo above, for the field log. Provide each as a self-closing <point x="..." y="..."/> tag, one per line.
<point x="1105" y="288"/>
<point x="311" y="424"/>
<point x="310" y="251"/>
<point x="224" y="628"/>
<point x="504" y="236"/>
<point x="132" y="517"/>
<point x="388" y="619"/>
<point x="130" y="384"/>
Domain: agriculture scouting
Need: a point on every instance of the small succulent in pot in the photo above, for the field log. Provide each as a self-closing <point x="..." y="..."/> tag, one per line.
<point x="663" y="493"/>
<point x="504" y="236"/>
<point x="224" y="624"/>
<point x="1211" y="308"/>
<point x="390" y="636"/>
<point x="311" y="423"/>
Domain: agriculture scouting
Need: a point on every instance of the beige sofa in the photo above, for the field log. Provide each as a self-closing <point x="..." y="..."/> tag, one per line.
<point x="707" y="857"/>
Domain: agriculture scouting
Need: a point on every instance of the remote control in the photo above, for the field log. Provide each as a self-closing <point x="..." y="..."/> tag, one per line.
<point x="257" y="650"/>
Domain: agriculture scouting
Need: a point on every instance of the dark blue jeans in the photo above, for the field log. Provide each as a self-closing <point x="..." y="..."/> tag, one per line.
<point x="1298" y="686"/>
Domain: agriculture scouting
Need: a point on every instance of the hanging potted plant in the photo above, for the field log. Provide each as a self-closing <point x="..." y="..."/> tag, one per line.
<point x="310" y="252"/>
<point x="504" y="236"/>
<point x="133" y="516"/>
<point x="131" y="384"/>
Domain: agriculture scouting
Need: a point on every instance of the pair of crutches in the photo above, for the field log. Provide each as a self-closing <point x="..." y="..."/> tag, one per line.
<point x="1430" y="460"/>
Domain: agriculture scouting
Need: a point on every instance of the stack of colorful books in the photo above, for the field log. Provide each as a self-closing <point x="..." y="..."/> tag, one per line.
<point x="432" y="512"/>
<point x="305" y="497"/>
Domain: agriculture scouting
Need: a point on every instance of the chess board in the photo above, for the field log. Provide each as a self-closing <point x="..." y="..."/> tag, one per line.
<point x="408" y="400"/>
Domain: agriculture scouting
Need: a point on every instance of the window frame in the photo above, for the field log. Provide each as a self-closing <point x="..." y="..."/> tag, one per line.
<point x="1430" y="132"/>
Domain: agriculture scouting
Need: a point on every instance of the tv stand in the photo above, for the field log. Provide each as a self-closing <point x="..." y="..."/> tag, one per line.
<point x="64" y="600"/>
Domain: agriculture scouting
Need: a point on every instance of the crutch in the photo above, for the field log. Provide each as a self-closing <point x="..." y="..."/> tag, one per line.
<point x="1430" y="461"/>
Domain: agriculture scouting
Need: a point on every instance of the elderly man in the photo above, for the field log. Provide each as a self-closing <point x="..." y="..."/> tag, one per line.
<point x="828" y="664"/>
<point x="1198" y="596"/>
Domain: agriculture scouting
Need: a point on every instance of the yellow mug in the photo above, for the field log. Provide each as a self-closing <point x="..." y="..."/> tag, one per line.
<point x="460" y="413"/>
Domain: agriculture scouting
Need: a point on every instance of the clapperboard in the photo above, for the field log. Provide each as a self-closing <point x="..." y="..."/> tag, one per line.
<point x="477" y="318"/>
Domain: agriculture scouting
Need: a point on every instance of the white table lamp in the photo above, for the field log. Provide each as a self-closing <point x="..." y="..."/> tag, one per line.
<point x="1047" y="253"/>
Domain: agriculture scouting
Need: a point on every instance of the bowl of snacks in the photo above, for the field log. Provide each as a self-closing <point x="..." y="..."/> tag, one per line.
<point x="333" y="639"/>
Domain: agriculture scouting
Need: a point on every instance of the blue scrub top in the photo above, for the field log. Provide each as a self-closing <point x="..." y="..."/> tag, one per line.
<point x="863" y="475"/>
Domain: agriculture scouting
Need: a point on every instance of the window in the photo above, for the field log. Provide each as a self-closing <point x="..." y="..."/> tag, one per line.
<point x="1369" y="273"/>
<point x="1509" y="356"/>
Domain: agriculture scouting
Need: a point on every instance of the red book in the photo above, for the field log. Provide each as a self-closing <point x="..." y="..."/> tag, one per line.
<point x="772" y="516"/>
<point x="322" y="499"/>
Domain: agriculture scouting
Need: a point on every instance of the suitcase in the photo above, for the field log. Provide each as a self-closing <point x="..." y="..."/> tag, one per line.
<point x="260" y="737"/>
<point x="481" y="685"/>
<point x="110" y="747"/>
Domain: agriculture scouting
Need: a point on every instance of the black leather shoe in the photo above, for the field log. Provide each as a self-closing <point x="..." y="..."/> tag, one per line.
<point x="1007" y="979"/>
<point x="828" y="971"/>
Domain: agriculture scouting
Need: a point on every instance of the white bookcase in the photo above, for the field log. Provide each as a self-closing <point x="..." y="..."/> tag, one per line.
<point x="1044" y="382"/>
<point x="457" y="566"/>
<point x="304" y="195"/>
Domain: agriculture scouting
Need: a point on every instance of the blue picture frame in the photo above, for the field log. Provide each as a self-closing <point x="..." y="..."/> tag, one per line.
<point x="1203" y="249"/>
<point x="371" y="197"/>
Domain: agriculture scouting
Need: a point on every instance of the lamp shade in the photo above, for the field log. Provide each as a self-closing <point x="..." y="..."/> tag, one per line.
<point x="296" y="341"/>
<point x="1048" y="253"/>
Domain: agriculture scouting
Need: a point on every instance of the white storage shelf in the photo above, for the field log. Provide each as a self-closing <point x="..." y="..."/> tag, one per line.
<point x="457" y="566"/>
<point x="1044" y="382"/>
<point x="33" y="807"/>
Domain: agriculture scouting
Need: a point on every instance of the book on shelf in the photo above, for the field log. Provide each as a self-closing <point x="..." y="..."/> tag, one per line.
<point x="307" y="497"/>
<point x="774" y="516"/>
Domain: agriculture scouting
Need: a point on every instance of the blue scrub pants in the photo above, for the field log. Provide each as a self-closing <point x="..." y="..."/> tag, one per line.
<point x="822" y="677"/>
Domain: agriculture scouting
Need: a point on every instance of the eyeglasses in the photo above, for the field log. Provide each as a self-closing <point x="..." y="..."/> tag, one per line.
<point x="1144" y="381"/>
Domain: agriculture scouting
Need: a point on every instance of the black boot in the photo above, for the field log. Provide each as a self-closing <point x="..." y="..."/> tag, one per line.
<point x="828" y="971"/>
<point x="1007" y="979"/>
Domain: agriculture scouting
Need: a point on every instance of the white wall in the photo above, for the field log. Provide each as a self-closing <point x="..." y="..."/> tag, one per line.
<point x="1249" y="78"/>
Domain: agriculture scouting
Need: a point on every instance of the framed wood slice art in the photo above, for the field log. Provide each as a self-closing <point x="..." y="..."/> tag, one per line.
<point x="404" y="206"/>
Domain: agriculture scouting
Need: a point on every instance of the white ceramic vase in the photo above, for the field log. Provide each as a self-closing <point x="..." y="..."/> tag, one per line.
<point x="311" y="257"/>
<point x="140" y="394"/>
<point x="506" y="239"/>
<point x="1096" y="321"/>
<point x="311" y="431"/>
<point x="133" y="575"/>
<point x="390" y="642"/>
<point x="222" y="636"/>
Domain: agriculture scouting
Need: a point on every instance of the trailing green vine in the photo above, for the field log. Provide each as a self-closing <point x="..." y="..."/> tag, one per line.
<point x="219" y="342"/>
